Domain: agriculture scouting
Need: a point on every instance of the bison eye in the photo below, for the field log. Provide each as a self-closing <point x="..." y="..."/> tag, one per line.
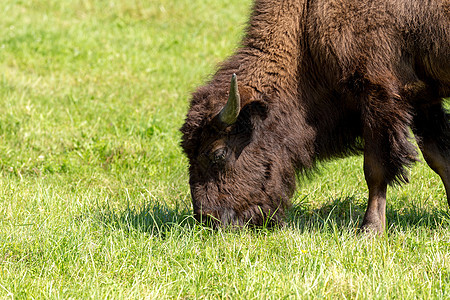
<point x="219" y="155"/>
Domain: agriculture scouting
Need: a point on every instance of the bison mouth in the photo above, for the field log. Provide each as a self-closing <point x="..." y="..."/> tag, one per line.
<point x="222" y="218"/>
<point x="229" y="218"/>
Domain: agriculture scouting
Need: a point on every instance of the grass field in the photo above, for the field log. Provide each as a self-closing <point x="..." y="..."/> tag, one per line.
<point x="94" y="196"/>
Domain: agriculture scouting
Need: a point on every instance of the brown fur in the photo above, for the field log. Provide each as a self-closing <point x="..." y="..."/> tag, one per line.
<point x="320" y="79"/>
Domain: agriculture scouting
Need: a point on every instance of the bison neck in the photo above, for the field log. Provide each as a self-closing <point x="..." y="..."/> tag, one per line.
<point x="268" y="60"/>
<point x="306" y="119"/>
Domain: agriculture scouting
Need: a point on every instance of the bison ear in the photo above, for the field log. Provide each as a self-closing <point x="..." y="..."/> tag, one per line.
<point x="230" y="112"/>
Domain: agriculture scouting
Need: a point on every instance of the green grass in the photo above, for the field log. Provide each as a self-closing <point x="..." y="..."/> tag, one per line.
<point x="94" y="198"/>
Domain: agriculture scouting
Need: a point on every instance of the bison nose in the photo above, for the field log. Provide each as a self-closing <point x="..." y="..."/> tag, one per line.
<point x="224" y="217"/>
<point x="200" y="217"/>
<point x="205" y="219"/>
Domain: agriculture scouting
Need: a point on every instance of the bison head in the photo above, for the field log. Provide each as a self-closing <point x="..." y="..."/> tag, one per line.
<point x="238" y="170"/>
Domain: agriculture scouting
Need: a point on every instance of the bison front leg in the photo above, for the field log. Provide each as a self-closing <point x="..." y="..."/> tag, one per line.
<point x="387" y="150"/>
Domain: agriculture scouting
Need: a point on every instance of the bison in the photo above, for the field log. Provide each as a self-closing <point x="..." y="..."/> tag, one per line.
<point x="314" y="80"/>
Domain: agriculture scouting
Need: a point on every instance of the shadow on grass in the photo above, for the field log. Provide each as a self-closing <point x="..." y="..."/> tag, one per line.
<point x="414" y="216"/>
<point x="152" y="217"/>
<point x="341" y="213"/>
<point x="348" y="213"/>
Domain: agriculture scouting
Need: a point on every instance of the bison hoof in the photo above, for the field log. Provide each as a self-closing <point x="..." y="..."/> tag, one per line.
<point x="372" y="228"/>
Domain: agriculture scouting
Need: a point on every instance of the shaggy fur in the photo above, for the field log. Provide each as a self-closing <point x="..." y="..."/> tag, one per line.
<point x="320" y="79"/>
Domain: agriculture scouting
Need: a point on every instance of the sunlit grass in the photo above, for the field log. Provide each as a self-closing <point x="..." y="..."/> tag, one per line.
<point x="94" y="196"/>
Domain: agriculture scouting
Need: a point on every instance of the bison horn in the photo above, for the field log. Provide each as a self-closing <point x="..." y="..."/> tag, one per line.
<point x="228" y="115"/>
